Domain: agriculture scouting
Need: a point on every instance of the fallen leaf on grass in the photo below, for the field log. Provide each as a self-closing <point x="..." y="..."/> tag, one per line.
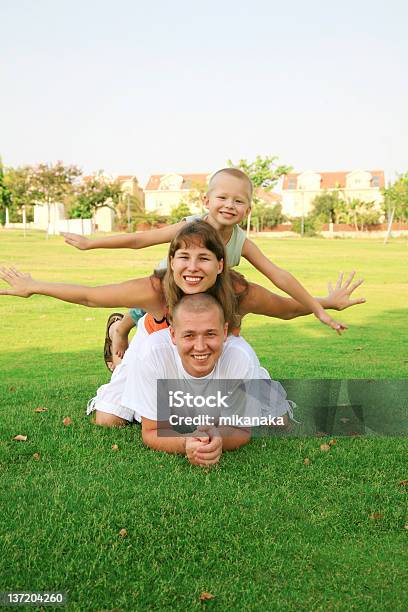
<point x="115" y="447"/>
<point x="376" y="515"/>
<point x="20" y="438"/>
<point x="206" y="470"/>
<point x="358" y="348"/>
<point x="205" y="596"/>
<point x="11" y="389"/>
<point x="405" y="526"/>
<point x="36" y="456"/>
<point x="306" y="461"/>
<point x="324" y="448"/>
<point x="332" y="442"/>
<point x="67" y="421"/>
<point x="403" y="483"/>
<point x="41" y="410"/>
<point x="123" y="533"/>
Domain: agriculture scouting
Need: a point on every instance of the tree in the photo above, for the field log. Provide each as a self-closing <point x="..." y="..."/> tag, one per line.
<point x="266" y="216"/>
<point x="18" y="182"/>
<point x="362" y="213"/>
<point x="328" y="207"/>
<point x="264" y="172"/>
<point x="92" y="193"/>
<point x="53" y="183"/>
<point x="306" y="226"/>
<point x="149" y="218"/>
<point x="5" y="196"/>
<point x="354" y="205"/>
<point x="368" y="214"/>
<point x="179" y="212"/>
<point x="396" y="198"/>
<point x="128" y="208"/>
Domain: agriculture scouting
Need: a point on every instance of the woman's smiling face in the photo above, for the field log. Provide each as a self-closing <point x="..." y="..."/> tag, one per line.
<point x="195" y="268"/>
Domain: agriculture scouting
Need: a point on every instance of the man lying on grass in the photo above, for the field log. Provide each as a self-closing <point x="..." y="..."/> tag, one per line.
<point x="195" y="347"/>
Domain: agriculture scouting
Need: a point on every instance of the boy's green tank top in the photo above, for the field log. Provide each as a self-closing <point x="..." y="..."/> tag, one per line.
<point x="233" y="247"/>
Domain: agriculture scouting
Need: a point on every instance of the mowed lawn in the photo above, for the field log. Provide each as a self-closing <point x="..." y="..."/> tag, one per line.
<point x="263" y="530"/>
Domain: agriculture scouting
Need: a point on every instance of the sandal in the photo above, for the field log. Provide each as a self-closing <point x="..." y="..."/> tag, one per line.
<point x="107" y="347"/>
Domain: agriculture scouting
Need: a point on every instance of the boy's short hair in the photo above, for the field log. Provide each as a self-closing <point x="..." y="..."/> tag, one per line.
<point x="233" y="172"/>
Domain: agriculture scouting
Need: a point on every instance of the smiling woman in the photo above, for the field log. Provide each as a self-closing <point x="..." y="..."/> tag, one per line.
<point x="196" y="264"/>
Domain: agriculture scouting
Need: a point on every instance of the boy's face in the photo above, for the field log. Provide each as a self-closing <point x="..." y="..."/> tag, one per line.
<point x="229" y="199"/>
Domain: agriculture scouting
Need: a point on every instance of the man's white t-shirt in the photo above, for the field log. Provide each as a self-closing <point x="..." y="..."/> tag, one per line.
<point x="158" y="358"/>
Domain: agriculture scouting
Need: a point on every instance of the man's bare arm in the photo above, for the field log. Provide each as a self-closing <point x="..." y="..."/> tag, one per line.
<point x="169" y="441"/>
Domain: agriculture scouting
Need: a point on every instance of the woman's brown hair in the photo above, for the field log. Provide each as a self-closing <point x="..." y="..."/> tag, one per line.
<point x="200" y="232"/>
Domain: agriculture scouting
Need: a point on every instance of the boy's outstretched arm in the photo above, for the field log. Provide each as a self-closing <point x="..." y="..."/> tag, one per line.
<point x="288" y="283"/>
<point x="138" y="293"/>
<point x="137" y="240"/>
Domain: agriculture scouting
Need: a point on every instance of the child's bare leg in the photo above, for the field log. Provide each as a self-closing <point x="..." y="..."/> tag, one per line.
<point x="109" y="420"/>
<point x="106" y="406"/>
<point x="119" y="334"/>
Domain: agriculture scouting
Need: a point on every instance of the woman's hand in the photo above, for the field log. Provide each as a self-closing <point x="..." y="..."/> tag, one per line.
<point x="22" y="284"/>
<point x="340" y="296"/>
<point x="77" y="241"/>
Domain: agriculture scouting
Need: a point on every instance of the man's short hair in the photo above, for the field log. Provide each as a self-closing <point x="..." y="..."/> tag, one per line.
<point x="232" y="172"/>
<point x="198" y="302"/>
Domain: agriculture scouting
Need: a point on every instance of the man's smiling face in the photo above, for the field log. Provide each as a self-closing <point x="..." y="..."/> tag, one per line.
<point x="199" y="338"/>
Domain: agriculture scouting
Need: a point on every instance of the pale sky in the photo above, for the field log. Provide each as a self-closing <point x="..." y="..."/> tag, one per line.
<point x="136" y="87"/>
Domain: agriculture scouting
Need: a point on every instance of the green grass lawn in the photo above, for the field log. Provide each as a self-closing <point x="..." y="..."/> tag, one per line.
<point x="262" y="531"/>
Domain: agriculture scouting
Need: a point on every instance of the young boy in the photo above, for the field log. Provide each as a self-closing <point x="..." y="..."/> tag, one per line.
<point x="228" y="201"/>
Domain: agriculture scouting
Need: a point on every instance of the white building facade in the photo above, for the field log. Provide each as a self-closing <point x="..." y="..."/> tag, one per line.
<point x="300" y="189"/>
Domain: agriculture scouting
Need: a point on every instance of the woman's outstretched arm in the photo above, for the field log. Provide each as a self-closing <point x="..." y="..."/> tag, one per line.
<point x="259" y="300"/>
<point x="138" y="293"/>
